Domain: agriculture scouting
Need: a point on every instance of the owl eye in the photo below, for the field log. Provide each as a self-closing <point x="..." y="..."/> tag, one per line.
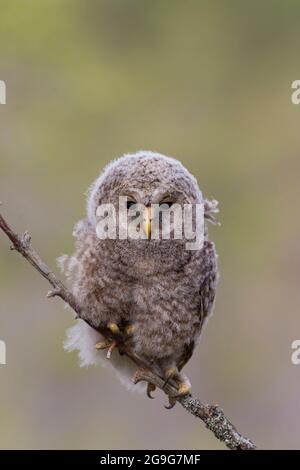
<point x="165" y="204"/>
<point x="130" y="204"/>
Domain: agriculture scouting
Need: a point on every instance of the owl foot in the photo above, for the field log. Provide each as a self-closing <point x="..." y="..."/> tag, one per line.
<point x="170" y="373"/>
<point x="103" y="344"/>
<point x="113" y="327"/>
<point x="150" y="388"/>
<point x="106" y="344"/>
<point x="183" y="389"/>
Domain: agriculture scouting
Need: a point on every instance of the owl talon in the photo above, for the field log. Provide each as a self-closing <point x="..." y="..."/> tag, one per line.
<point x="172" y="403"/>
<point x="150" y="388"/>
<point x="103" y="344"/>
<point x="110" y="349"/>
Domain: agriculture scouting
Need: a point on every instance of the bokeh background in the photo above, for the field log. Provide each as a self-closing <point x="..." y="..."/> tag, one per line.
<point x="208" y="82"/>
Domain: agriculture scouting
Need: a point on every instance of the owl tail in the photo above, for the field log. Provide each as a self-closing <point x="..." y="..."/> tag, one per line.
<point x="83" y="338"/>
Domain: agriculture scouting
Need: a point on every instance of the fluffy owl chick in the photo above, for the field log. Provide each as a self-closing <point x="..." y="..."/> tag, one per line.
<point x="156" y="293"/>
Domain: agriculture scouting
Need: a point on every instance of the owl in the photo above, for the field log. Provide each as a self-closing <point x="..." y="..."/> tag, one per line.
<point x="153" y="293"/>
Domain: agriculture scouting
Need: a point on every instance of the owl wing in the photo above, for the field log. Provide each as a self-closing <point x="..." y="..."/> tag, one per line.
<point x="208" y="279"/>
<point x="70" y="265"/>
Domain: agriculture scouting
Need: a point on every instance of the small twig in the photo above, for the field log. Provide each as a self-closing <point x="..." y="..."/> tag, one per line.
<point x="212" y="415"/>
<point x="53" y="293"/>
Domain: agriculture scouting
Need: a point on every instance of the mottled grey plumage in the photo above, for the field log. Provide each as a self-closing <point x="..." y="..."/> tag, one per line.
<point x="166" y="291"/>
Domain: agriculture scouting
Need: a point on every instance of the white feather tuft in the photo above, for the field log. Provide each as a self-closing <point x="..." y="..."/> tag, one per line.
<point x="83" y="338"/>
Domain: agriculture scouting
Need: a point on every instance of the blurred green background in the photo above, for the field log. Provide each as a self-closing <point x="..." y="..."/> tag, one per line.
<point x="208" y="82"/>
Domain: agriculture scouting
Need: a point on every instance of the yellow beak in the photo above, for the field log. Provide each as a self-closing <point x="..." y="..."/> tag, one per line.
<point x="147" y="221"/>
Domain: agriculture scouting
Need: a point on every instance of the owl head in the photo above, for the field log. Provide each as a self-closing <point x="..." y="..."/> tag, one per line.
<point x="145" y="178"/>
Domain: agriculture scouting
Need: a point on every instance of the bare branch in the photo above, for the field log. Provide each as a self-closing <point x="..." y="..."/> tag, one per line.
<point x="212" y="415"/>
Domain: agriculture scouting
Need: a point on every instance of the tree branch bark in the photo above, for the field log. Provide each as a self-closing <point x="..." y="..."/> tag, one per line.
<point x="212" y="415"/>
